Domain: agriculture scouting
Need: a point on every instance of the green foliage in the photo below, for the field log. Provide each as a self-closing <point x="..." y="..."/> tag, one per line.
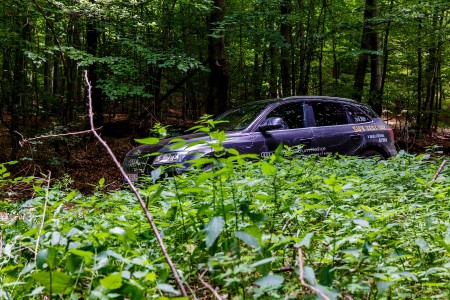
<point x="368" y="227"/>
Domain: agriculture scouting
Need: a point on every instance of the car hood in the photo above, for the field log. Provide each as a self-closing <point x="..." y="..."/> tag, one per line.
<point x="193" y="144"/>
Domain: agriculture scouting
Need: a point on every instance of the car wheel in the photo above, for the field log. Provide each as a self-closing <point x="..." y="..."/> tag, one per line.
<point x="371" y="154"/>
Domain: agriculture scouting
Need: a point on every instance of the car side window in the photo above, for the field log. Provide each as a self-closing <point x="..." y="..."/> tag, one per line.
<point x="291" y="113"/>
<point x="329" y="113"/>
<point x="357" y="115"/>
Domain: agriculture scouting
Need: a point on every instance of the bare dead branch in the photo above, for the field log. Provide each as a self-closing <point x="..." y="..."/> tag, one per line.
<point x="24" y="140"/>
<point x="437" y="173"/>
<point x="209" y="287"/>
<point x="302" y="279"/>
<point x="135" y="191"/>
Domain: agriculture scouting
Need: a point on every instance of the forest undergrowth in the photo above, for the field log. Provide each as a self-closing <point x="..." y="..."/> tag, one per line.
<point x="287" y="227"/>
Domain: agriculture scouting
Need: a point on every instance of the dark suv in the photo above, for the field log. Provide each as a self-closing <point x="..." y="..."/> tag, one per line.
<point x="323" y="125"/>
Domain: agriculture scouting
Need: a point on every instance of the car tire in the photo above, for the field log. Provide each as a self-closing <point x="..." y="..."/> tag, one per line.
<point x="370" y="153"/>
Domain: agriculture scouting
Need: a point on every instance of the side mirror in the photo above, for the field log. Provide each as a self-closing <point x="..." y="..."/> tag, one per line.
<point x="272" y="123"/>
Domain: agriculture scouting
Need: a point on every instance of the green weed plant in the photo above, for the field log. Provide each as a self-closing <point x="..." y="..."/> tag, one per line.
<point x="368" y="229"/>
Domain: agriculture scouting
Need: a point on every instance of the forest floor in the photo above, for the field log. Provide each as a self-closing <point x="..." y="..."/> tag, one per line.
<point x="82" y="161"/>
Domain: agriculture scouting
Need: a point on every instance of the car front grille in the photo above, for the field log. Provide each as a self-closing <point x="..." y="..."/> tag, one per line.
<point x="135" y="164"/>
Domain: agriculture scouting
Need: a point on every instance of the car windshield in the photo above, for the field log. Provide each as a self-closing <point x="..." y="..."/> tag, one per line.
<point x="240" y="117"/>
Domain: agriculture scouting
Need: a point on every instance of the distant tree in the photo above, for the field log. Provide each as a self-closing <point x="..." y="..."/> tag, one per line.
<point x="370" y="48"/>
<point x="218" y="63"/>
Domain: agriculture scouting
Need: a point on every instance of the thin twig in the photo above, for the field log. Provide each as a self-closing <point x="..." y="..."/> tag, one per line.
<point x="437" y="174"/>
<point x="209" y="287"/>
<point x="302" y="280"/>
<point x="43" y="214"/>
<point x="135" y="191"/>
<point x="24" y="141"/>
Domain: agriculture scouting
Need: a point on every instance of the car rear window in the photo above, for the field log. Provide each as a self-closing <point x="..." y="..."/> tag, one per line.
<point x="357" y="114"/>
<point x="329" y="113"/>
<point x="368" y="111"/>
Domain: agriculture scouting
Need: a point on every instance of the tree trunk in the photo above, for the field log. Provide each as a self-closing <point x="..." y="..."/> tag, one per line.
<point x="375" y="75"/>
<point x="432" y="70"/>
<point x="360" y="73"/>
<point x="419" y="73"/>
<point x="256" y="77"/>
<point x="285" y="62"/>
<point x="47" y="71"/>
<point x="386" y="50"/>
<point x="218" y="80"/>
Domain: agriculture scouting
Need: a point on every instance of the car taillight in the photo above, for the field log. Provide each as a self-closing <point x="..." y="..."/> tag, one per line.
<point x="391" y="132"/>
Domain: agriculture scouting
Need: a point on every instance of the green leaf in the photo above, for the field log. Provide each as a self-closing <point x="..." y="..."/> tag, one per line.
<point x="326" y="276"/>
<point x="86" y="255"/>
<point x="59" y="281"/>
<point x="361" y="222"/>
<point x="309" y="275"/>
<point x="112" y="281"/>
<point x="270" y="281"/>
<point x="167" y="288"/>
<point x="263" y="261"/>
<point x="248" y="239"/>
<point x="148" y="141"/>
<point x="306" y="241"/>
<point x="268" y="169"/>
<point x="41" y="258"/>
<point x="213" y="229"/>
<point x="46" y="256"/>
<point x="422" y="243"/>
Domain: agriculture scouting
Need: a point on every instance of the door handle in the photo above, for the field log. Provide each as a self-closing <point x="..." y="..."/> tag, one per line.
<point x="355" y="137"/>
<point x="305" y="142"/>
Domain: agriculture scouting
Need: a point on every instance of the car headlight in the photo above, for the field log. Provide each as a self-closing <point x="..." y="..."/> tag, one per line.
<point x="170" y="158"/>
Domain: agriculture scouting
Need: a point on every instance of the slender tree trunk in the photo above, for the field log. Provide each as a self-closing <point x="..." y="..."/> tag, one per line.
<point x="47" y="71"/>
<point x="285" y="61"/>
<point x="433" y="70"/>
<point x="322" y="30"/>
<point x="386" y="50"/>
<point x="273" y="80"/>
<point x="218" y="64"/>
<point x="375" y="99"/>
<point x="18" y="86"/>
<point x="256" y="77"/>
<point x="303" y="84"/>
<point x="419" y="72"/>
<point x="360" y="73"/>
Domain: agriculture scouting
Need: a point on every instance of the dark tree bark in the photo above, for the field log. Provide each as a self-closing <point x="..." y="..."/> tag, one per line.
<point x="18" y="85"/>
<point x="360" y="72"/>
<point x="322" y="30"/>
<point x="286" y="57"/>
<point x="432" y="71"/>
<point x="306" y="49"/>
<point x="47" y="70"/>
<point x="257" y="77"/>
<point x="375" y="99"/>
<point x="369" y="43"/>
<point x="273" y="77"/>
<point x="218" y="80"/>
<point x="386" y="50"/>
<point x="419" y="73"/>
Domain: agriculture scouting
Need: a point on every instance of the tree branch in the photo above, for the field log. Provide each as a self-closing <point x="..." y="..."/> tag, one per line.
<point x="302" y="280"/>
<point x="209" y="287"/>
<point x="24" y="141"/>
<point x="135" y="191"/>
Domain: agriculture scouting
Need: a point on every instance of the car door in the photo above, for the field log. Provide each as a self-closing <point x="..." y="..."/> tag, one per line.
<point x="294" y="132"/>
<point x="332" y="129"/>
